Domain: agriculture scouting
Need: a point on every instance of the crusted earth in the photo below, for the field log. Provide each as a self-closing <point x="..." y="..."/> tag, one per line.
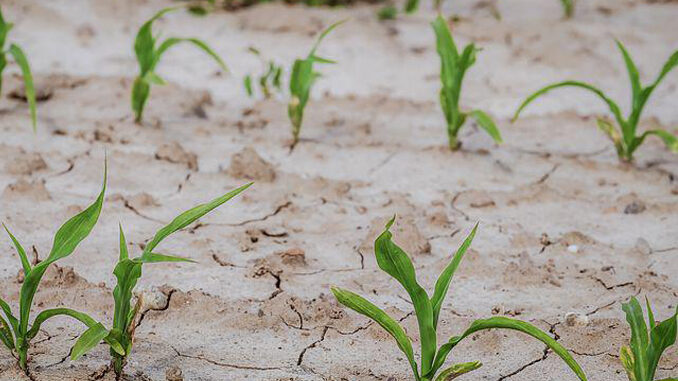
<point x="566" y="232"/>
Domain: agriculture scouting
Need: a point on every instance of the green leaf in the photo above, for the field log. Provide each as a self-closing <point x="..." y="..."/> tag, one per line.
<point x="443" y="282"/>
<point x="670" y="64"/>
<point x="6" y="334"/>
<point x="486" y="123"/>
<point x="22" y="61"/>
<point x="395" y="262"/>
<point x="457" y="370"/>
<point x="140" y="92"/>
<point x="153" y="79"/>
<point x="323" y="35"/>
<point x="124" y="254"/>
<point x="634" y="77"/>
<point x="661" y="337"/>
<point x="512" y="324"/>
<point x="568" y="7"/>
<point x="188" y="217"/>
<point x="639" y="337"/>
<point x="66" y="239"/>
<point x="10" y="317"/>
<point x="22" y="253"/>
<point x="144" y="43"/>
<point x="669" y="139"/>
<point x="411" y="6"/>
<point x="52" y="312"/>
<point x="157" y="258"/>
<point x="247" y="82"/>
<point x="168" y="43"/>
<point x="88" y="340"/>
<point x="626" y="358"/>
<point x="610" y="103"/>
<point x="364" y="307"/>
<point x="650" y="315"/>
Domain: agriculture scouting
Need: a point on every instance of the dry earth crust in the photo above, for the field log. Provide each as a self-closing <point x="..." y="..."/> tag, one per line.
<point x="566" y="234"/>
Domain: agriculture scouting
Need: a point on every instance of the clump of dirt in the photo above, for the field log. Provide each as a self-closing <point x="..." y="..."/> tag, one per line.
<point x="25" y="163"/>
<point x="174" y="153"/>
<point x="247" y="164"/>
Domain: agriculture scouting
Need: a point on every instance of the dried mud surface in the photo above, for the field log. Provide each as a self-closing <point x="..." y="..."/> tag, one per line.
<point x="566" y="232"/>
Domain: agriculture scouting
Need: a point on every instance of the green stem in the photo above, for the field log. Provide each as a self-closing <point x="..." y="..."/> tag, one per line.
<point x="118" y="364"/>
<point x="455" y="144"/>
<point x="23" y="359"/>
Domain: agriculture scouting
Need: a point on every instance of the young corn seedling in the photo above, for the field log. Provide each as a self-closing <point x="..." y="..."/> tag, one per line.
<point x="16" y="333"/>
<point x="452" y="70"/>
<point x="148" y="54"/>
<point x="641" y="357"/>
<point x="623" y="134"/>
<point x="20" y="58"/>
<point x="301" y="81"/>
<point x="269" y="81"/>
<point x="568" y="7"/>
<point x="127" y="273"/>
<point x="395" y="262"/>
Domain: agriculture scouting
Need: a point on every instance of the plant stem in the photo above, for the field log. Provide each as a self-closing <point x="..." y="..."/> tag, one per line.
<point x="454" y="142"/>
<point x="118" y="364"/>
<point x="23" y="359"/>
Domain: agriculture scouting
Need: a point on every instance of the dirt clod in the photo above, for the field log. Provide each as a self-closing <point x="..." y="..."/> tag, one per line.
<point x="175" y="153"/>
<point x="247" y="164"/>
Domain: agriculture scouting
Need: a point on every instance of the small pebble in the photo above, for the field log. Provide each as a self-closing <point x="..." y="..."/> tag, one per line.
<point x="575" y="319"/>
<point x="573" y="248"/>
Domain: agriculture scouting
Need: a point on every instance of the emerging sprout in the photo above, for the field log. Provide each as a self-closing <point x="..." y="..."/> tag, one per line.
<point x="453" y="66"/>
<point x="641" y="357"/>
<point x="301" y="81"/>
<point x="395" y="262"/>
<point x="127" y="273"/>
<point x="15" y="333"/>
<point x="623" y="134"/>
<point x="20" y="58"/>
<point x="568" y="8"/>
<point x="148" y="56"/>
<point x="269" y="80"/>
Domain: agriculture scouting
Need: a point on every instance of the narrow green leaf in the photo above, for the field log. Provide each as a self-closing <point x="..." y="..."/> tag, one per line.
<point x="88" y="340"/>
<point x="639" y="337"/>
<point x="154" y="79"/>
<point x="66" y="239"/>
<point x="443" y="282"/>
<point x="457" y="370"/>
<point x="52" y="312"/>
<point x="670" y="64"/>
<point x="22" y="61"/>
<point x="395" y="262"/>
<point x="323" y="35"/>
<point x="124" y="254"/>
<point x="140" y="92"/>
<point x="650" y="315"/>
<point x="10" y="317"/>
<point x="626" y="358"/>
<point x="247" y="82"/>
<point x="364" y="307"/>
<point x="22" y="253"/>
<point x="610" y="103"/>
<point x="115" y="345"/>
<point x="487" y="124"/>
<point x="661" y="337"/>
<point x="411" y="6"/>
<point x="188" y="217"/>
<point x="568" y="7"/>
<point x="512" y="324"/>
<point x="634" y="77"/>
<point x="198" y="43"/>
<point x="157" y="258"/>
<point x="669" y="139"/>
<point x="144" y="43"/>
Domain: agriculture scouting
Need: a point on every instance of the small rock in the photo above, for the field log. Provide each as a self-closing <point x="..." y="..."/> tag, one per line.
<point x="643" y="246"/>
<point x="141" y="200"/>
<point x="573" y="319"/>
<point x="247" y="164"/>
<point x="153" y="299"/>
<point x="174" y="373"/>
<point x="573" y="248"/>
<point x="293" y="256"/>
<point x="635" y="207"/>
<point x="175" y="153"/>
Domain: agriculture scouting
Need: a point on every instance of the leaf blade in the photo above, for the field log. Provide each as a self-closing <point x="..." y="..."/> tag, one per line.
<point x="487" y="124"/>
<point x="22" y="61"/>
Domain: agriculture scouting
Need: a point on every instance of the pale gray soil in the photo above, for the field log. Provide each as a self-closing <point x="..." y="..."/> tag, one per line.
<point x="555" y="236"/>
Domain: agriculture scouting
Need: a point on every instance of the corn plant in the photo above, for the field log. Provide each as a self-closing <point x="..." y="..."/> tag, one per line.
<point x="452" y="69"/>
<point x="128" y="272"/>
<point x="395" y="262"/>
<point x="148" y="55"/>
<point x="623" y="134"/>
<point x="270" y="80"/>
<point x="568" y="7"/>
<point x="641" y="357"/>
<point x="16" y="333"/>
<point x="20" y="59"/>
<point x="301" y="81"/>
